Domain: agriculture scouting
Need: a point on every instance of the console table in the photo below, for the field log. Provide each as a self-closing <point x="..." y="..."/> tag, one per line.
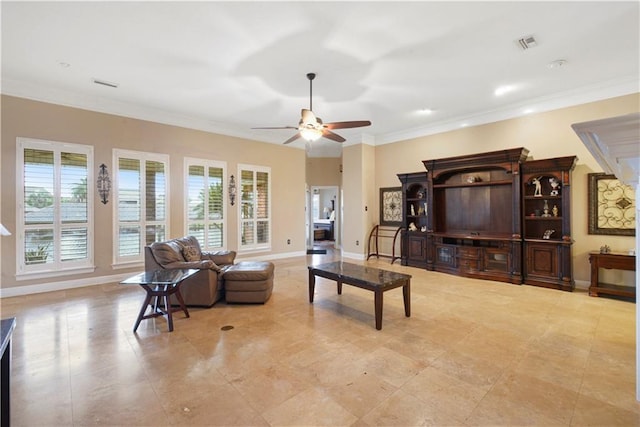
<point x="615" y="261"/>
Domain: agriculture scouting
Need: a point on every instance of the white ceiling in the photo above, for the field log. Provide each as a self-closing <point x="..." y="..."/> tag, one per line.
<point x="228" y="66"/>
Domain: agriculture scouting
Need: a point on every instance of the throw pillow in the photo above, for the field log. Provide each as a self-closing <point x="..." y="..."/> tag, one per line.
<point x="166" y="253"/>
<point x="190" y="253"/>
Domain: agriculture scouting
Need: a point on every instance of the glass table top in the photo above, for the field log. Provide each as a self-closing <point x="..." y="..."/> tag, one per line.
<point x="160" y="277"/>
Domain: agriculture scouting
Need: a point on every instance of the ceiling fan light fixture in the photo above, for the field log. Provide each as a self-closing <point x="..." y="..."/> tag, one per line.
<point x="311" y="134"/>
<point x="311" y="128"/>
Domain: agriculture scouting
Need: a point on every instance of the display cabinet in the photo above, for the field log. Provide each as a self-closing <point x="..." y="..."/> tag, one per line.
<point x="415" y="221"/>
<point x="474" y="207"/>
<point x="493" y="216"/>
<point x="546" y="222"/>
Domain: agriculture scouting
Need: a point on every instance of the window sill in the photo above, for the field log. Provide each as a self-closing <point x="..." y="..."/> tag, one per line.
<point x="45" y="274"/>
<point x="131" y="264"/>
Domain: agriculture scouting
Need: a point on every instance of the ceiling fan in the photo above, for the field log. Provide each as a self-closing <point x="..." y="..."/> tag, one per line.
<point x="311" y="127"/>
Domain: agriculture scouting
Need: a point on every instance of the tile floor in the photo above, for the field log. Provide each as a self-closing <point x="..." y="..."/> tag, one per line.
<point x="472" y="353"/>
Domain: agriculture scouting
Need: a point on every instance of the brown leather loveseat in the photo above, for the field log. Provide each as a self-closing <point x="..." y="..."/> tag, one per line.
<point x="202" y="289"/>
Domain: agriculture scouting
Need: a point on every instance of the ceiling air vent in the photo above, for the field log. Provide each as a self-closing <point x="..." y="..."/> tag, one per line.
<point x="105" y="83"/>
<point x="527" y="42"/>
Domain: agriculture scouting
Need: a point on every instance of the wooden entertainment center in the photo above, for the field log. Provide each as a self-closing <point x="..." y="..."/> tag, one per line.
<point x="491" y="216"/>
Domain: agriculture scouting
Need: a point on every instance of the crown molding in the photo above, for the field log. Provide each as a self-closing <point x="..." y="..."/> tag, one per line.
<point x="583" y="95"/>
<point x="592" y="93"/>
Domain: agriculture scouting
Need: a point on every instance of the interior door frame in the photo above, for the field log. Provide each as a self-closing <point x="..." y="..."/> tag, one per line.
<point x="337" y="209"/>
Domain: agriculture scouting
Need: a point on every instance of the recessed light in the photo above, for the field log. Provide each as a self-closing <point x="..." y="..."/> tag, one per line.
<point x="503" y="90"/>
<point x="64" y="64"/>
<point x="425" y="111"/>
<point x="556" y="64"/>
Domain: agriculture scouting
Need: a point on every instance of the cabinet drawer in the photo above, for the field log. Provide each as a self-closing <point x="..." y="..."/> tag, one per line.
<point x="469" y="264"/>
<point x="469" y="252"/>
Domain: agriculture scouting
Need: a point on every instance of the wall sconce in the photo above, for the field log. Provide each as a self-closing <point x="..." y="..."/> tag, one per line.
<point x="232" y="190"/>
<point x="4" y="231"/>
<point x="104" y="184"/>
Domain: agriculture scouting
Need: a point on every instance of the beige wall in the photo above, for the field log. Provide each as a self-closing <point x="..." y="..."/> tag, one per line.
<point x="25" y="118"/>
<point x="370" y="215"/>
<point x="365" y="169"/>
<point x="358" y="180"/>
<point x="324" y="171"/>
<point x="546" y="135"/>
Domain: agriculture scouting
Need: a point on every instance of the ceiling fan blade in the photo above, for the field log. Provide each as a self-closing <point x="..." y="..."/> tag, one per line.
<point x="293" y="138"/>
<point x="332" y="136"/>
<point x="277" y="127"/>
<point x="346" y="125"/>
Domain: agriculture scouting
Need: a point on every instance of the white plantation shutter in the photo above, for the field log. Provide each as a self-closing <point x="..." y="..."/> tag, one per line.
<point x="254" y="207"/>
<point x="140" y="203"/>
<point x="205" y="206"/>
<point x="262" y="208"/>
<point x="55" y="206"/>
<point x="129" y="206"/>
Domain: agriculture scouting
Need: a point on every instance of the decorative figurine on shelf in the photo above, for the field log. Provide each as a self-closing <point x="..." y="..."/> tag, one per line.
<point x="424" y="228"/>
<point x="554" y="210"/>
<point x="605" y="249"/>
<point x="412" y="227"/>
<point x="547" y="234"/>
<point x="413" y="211"/>
<point x="538" y="184"/>
<point x="555" y="186"/>
<point x="420" y="210"/>
<point x="545" y="210"/>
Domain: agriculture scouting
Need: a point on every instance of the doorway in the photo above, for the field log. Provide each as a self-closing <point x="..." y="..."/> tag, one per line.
<point x="324" y="218"/>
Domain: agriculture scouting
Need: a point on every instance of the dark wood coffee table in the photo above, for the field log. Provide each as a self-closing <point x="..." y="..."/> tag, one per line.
<point x="160" y="285"/>
<point x="364" y="277"/>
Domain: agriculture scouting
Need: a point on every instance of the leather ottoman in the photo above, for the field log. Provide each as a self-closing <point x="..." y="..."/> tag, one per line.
<point x="249" y="282"/>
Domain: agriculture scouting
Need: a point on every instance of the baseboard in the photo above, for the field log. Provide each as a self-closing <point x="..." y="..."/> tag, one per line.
<point x="101" y="280"/>
<point x="352" y="255"/>
<point x="16" y="291"/>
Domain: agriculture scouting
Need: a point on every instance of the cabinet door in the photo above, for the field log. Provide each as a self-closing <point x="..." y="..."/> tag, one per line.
<point x="445" y="256"/>
<point x="497" y="260"/>
<point x="416" y="248"/>
<point x="542" y="260"/>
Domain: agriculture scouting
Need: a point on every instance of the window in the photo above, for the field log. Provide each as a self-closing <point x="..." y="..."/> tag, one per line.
<point x="140" y="203"/>
<point x="205" y="207"/>
<point x="316" y="205"/>
<point x="255" y="207"/>
<point x="54" y="208"/>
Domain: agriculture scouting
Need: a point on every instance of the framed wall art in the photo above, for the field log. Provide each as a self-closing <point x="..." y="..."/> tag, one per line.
<point x="612" y="206"/>
<point x="391" y="206"/>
